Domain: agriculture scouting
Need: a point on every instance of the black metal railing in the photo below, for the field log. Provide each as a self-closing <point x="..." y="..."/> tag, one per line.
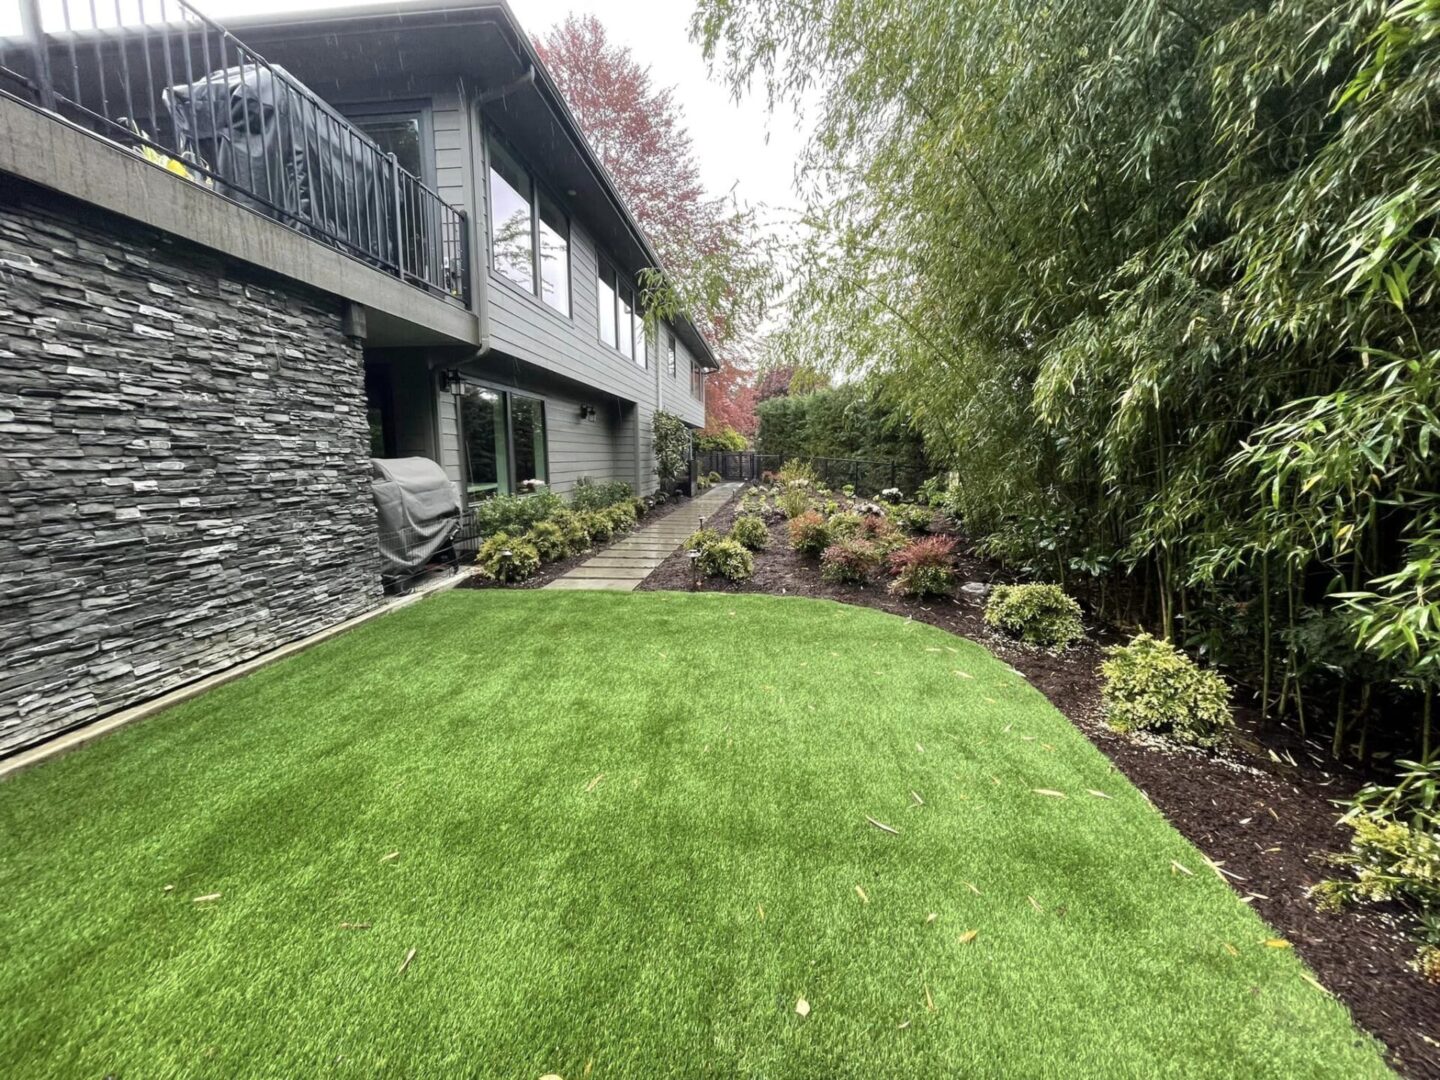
<point x="178" y="88"/>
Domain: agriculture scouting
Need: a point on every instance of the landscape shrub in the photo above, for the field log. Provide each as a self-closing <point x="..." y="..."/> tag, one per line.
<point x="714" y="477"/>
<point x="913" y="518"/>
<point x="701" y="539"/>
<point x="670" y="443"/>
<point x="507" y="558"/>
<point x="850" y="561"/>
<point x="1036" y="614"/>
<point x="549" y="539"/>
<point x="750" y="532"/>
<point x="1152" y="686"/>
<point x="809" y="533"/>
<point x="728" y="559"/>
<point x="599" y="494"/>
<point x="702" y="483"/>
<point x="923" y="567"/>
<point x="1394" y="854"/>
<point x="597" y="525"/>
<point x="881" y="532"/>
<point x="572" y="526"/>
<point x="641" y="507"/>
<point x="796" y="471"/>
<point x="621" y="515"/>
<point x="845" y="524"/>
<point x="514" y="513"/>
<point x="794" y="500"/>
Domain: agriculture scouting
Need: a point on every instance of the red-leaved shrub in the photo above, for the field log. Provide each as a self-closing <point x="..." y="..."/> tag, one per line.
<point x="924" y="567"/>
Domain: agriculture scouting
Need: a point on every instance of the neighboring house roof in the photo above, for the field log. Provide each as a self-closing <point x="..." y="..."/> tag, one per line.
<point x="459" y="39"/>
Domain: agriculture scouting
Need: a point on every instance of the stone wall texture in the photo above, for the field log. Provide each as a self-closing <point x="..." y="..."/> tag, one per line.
<point x="183" y="464"/>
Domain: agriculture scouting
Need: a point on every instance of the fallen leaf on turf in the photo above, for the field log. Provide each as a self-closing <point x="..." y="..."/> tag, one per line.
<point x="934" y="650"/>
<point x="968" y="936"/>
<point x="552" y="1076"/>
<point x="1277" y="943"/>
<point x="882" y="826"/>
<point x="918" y="800"/>
<point x="1314" y="982"/>
<point x="964" y="674"/>
<point x="929" y="1001"/>
<point x="802" y="1007"/>
<point x="354" y="926"/>
<point x="589" y="1064"/>
<point x="167" y="888"/>
<point x="861" y="893"/>
<point x="919" y="748"/>
<point x="1231" y="949"/>
<point x="972" y="888"/>
<point x="206" y="897"/>
<point x="1035" y="904"/>
<point x="1048" y="791"/>
<point x="392" y="855"/>
<point x="1097" y="794"/>
<point x="406" y="962"/>
<point x="594" y="783"/>
<point x="903" y="1024"/>
<point x="931" y="918"/>
<point x="955" y="651"/>
<point x="761" y="909"/>
<point x="1174" y="866"/>
<point x="1027" y="738"/>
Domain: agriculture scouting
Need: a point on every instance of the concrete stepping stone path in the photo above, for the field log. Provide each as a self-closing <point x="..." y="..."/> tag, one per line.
<point x="629" y="561"/>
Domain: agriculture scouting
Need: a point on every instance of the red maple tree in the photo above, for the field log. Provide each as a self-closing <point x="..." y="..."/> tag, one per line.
<point x="638" y="131"/>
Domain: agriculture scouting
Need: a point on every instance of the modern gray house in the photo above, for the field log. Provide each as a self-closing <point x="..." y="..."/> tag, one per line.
<point x="235" y="265"/>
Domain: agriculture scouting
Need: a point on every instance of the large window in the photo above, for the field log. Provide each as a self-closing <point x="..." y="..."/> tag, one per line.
<point x="622" y="324"/>
<point x="512" y="238"/>
<point x="504" y="439"/>
<point x="670" y="362"/>
<point x="554" y="257"/>
<point x="529" y="235"/>
<point x="697" y="380"/>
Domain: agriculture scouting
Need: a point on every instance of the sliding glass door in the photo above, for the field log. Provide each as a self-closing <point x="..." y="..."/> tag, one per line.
<point x="503" y="436"/>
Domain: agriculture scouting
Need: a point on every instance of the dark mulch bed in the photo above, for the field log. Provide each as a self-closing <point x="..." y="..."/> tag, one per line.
<point x="1262" y="810"/>
<point x="550" y="571"/>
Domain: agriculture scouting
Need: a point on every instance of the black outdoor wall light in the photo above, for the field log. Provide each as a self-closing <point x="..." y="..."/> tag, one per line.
<point x="588" y="412"/>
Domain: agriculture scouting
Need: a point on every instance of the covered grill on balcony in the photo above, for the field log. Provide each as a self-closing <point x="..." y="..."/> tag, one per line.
<point x="163" y="79"/>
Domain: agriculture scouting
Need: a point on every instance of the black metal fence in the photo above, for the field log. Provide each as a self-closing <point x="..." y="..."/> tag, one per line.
<point x="868" y="477"/>
<point x="178" y="88"/>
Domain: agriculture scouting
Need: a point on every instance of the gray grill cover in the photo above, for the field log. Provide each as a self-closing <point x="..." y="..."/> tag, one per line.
<point x="419" y="512"/>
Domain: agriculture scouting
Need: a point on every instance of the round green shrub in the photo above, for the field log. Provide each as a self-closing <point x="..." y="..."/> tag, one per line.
<point x="809" y="533"/>
<point x="701" y="539"/>
<point x="598" y="525"/>
<point x="1152" y="686"/>
<point x="913" y="518"/>
<point x="850" y="561"/>
<point x="549" y="539"/>
<point x="751" y="532"/>
<point x="507" y="558"/>
<point x="621" y="515"/>
<point x="845" y="525"/>
<point x="727" y="559"/>
<point x="577" y="539"/>
<point x="1036" y="614"/>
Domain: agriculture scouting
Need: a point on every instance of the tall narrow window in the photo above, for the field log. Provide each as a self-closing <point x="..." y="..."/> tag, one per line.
<point x="642" y="349"/>
<point x="625" y="321"/>
<point x="697" y="380"/>
<point x="554" y="257"/>
<point x="487" y="459"/>
<point x="527" y="421"/>
<point x="605" y="300"/>
<point x="670" y="353"/>
<point x="512" y="242"/>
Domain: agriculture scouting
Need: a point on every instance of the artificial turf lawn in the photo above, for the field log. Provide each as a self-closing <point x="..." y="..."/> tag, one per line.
<point x="631" y="830"/>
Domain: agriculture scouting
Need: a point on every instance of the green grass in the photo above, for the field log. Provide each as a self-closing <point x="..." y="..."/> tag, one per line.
<point x="561" y="924"/>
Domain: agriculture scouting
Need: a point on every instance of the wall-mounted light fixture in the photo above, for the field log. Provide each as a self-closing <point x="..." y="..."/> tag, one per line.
<point x="451" y="381"/>
<point x="588" y="412"/>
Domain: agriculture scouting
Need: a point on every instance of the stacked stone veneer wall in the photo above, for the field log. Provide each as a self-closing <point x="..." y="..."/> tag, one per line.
<point x="183" y="464"/>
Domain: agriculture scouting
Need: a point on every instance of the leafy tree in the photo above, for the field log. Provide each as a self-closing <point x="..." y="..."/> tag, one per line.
<point x="1159" y="281"/>
<point x="716" y="265"/>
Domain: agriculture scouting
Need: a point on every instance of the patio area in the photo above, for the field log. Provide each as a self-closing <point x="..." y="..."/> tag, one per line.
<point x="657" y="834"/>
